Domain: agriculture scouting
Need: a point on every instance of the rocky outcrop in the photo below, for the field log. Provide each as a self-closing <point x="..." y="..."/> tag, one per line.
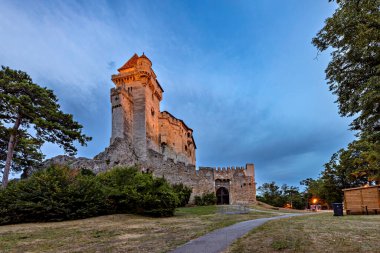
<point x="119" y="153"/>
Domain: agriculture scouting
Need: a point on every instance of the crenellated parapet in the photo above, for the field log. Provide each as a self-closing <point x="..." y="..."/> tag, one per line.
<point x="233" y="171"/>
<point x="138" y="71"/>
<point x="116" y="92"/>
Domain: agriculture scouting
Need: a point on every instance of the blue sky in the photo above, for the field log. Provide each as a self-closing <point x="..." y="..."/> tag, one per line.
<point x="242" y="74"/>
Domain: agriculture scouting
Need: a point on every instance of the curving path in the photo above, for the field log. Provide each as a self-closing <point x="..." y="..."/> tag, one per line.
<point x="220" y="239"/>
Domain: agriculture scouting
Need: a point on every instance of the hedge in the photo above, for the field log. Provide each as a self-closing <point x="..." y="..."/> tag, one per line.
<point x="60" y="193"/>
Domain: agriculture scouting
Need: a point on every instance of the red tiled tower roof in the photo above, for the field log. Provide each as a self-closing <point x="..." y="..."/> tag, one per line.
<point x="130" y="63"/>
<point x="144" y="56"/>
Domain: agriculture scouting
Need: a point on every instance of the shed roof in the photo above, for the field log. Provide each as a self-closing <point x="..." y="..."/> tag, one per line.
<point x="362" y="187"/>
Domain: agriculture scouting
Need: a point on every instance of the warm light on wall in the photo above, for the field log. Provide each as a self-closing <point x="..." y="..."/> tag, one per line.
<point x="315" y="200"/>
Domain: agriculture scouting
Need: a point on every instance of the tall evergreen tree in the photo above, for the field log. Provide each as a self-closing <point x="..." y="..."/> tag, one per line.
<point x="24" y="104"/>
<point x="27" y="153"/>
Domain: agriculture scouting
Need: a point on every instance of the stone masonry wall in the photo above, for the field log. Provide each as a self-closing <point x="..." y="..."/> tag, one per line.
<point x="176" y="139"/>
<point x="152" y="111"/>
<point x="242" y="187"/>
<point x="122" y="116"/>
<point x="139" y="123"/>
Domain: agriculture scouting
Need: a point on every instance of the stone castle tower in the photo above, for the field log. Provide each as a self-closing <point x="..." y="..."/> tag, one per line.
<point x="163" y="144"/>
<point x="136" y="114"/>
<point x="157" y="142"/>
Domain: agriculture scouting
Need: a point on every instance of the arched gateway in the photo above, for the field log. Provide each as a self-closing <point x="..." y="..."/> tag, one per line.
<point x="222" y="196"/>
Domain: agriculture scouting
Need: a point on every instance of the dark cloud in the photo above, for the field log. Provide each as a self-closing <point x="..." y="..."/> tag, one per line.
<point x="112" y="65"/>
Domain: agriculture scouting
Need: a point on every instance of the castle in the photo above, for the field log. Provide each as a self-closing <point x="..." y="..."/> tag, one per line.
<point x="136" y="114"/>
<point x="159" y="143"/>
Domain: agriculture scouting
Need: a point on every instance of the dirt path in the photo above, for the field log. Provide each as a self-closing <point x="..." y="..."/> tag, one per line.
<point x="220" y="239"/>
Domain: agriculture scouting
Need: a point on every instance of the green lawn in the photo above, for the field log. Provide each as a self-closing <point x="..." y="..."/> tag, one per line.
<point x="196" y="210"/>
<point x="314" y="233"/>
<point x="118" y="233"/>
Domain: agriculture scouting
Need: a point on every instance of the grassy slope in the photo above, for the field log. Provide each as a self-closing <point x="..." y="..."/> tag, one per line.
<point x="118" y="233"/>
<point x="314" y="233"/>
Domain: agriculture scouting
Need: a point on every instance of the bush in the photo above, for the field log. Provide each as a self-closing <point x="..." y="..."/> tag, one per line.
<point x="59" y="193"/>
<point x="183" y="192"/>
<point x="159" y="198"/>
<point x="205" y="200"/>
<point x="198" y="200"/>
<point x="51" y="195"/>
<point x="209" y="199"/>
<point x="130" y="191"/>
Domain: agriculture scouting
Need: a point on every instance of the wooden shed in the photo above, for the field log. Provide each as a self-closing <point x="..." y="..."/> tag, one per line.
<point x="362" y="200"/>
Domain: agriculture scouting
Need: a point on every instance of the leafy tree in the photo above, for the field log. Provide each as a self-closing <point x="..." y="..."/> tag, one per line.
<point x="293" y="196"/>
<point x="353" y="74"/>
<point x="271" y="194"/>
<point x="351" y="167"/>
<point x="328" y="187"/>
<point x="363" y="156"/>
<point x="281" y="196"/>
<point x="24" y="104"/>
<point x="354" y="166"/>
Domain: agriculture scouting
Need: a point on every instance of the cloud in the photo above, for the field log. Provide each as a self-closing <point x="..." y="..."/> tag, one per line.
<point x="244" y="78"/>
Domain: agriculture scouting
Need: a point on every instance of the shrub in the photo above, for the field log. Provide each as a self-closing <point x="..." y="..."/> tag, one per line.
<point x="53" y="194"/>
<point x="159" y="198"/>
<point x="198" y="200"/>
<point x="59" y="193"/>
<point x="205" y="200"/>
<point x="130" y="191"/>
<point x="209" y="199"/>
<point x="183" y="192"/>
<point x="120" y="189"/>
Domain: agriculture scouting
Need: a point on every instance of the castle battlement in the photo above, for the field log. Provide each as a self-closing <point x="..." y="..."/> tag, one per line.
<point x="232" y="168"/>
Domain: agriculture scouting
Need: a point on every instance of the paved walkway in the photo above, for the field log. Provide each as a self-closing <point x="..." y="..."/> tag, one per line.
<point x="220" y="239"/>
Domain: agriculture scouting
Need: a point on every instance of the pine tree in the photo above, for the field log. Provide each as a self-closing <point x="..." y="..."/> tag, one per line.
<point x="25" y="105"/>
